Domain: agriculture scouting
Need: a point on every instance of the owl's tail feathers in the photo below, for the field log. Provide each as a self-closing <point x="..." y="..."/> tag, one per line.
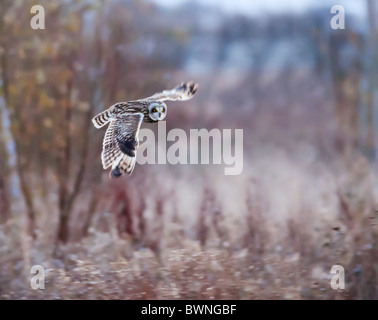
<point x="125" y="165"/>
<point x="101" y="119"/>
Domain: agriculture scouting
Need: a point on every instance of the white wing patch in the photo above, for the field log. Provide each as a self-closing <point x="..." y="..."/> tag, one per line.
<point x="184" y="91"/>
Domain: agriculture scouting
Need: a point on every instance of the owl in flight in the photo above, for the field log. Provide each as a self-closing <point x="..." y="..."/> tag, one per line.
<point x="121" y="138"/>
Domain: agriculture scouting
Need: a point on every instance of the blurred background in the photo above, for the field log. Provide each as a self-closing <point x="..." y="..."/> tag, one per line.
<point x="304" y="94"/>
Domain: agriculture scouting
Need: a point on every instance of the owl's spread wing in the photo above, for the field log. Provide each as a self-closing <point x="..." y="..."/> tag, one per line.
<point x="184" y="91"/>
<point x="120" y="143"/>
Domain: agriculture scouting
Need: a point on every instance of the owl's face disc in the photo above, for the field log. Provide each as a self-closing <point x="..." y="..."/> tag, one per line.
<point x="157" y="111"/>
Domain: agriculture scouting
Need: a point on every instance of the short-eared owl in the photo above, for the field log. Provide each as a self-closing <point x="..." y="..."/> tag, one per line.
<point x="121" y="138"/>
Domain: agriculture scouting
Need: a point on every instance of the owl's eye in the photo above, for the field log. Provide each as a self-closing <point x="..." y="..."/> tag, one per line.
<point x="163" y="110"/>
<point x="154" y="110"/>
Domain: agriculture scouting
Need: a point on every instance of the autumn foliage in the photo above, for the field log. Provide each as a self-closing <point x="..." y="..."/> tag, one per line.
<point x="304" y="95"/>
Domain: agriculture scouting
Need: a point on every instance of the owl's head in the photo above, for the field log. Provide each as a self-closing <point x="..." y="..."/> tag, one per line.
<point x="157" y="110"/>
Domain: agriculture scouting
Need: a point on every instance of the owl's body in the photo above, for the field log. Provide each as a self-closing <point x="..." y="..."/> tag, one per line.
<point x="124" y="118"/>
<point x="120" y="109"/>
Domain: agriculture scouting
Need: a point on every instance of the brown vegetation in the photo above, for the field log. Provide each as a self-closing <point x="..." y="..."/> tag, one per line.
<point x="306" y="200"/>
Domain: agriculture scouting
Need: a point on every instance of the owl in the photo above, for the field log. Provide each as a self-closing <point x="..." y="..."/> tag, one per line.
<point x="121" y="137"/>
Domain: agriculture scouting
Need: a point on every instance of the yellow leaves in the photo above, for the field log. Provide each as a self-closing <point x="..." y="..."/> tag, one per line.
<point x="45" y="101"/>
<point x="15" y="127"/>
<point x="48" y="123"/>
<point x="40" y="76"/>
<point x="72" y="24"/>
<point x="12" y="89"/>
<point x="48" y="50"/>
<point x="83" y="106"/>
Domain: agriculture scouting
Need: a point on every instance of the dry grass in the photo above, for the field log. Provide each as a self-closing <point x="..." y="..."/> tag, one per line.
<point x="306" y="200"/>
<point x="272" y="233"/>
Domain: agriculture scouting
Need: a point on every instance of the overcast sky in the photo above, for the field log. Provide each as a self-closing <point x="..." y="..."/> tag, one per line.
<point x="260" y="7"/>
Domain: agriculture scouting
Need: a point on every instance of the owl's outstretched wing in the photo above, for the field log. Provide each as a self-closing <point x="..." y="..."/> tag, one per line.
<point x="120" y="143"/>
<point x="184" y="91"/>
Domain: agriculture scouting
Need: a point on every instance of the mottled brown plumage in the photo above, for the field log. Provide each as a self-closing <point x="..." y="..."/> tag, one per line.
<point x="124" y="118"/>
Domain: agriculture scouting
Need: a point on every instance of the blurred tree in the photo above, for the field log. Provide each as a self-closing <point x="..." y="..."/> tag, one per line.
<point x="346" y="68"/>
<point x="372" y="74"/>
<point x="94" y="53"/>
<point x="11" y="126"/>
